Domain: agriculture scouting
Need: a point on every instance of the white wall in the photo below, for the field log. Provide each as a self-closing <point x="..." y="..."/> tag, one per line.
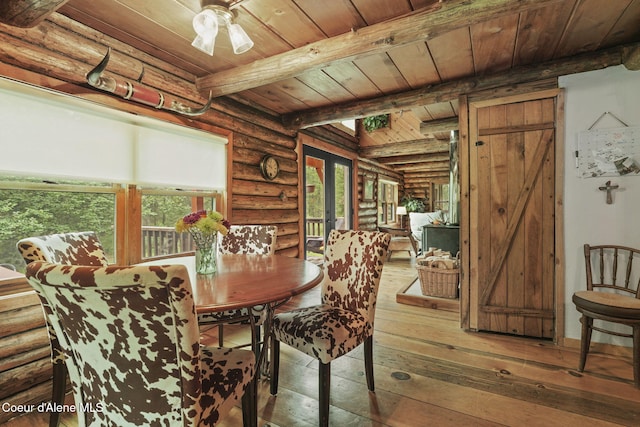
<point x="587" y="217"/>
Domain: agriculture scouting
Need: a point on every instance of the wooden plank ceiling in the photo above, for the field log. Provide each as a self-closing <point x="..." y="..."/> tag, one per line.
<point x="316" y="62"/>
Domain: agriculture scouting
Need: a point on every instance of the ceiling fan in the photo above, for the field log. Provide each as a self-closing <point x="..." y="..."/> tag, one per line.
<point x="214" y="14"/>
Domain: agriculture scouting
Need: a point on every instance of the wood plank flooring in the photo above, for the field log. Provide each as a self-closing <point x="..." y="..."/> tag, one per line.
<point x="430" y="372"/>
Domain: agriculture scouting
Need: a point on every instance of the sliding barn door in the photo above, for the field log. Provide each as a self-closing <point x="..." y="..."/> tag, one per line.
<point x="512" y="221"/>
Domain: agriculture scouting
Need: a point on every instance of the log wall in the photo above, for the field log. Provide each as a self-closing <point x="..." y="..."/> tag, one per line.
<point x="25" y="356"/>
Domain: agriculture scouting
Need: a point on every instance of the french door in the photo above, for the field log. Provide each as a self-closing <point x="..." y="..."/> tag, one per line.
<point x="328" y="198"/>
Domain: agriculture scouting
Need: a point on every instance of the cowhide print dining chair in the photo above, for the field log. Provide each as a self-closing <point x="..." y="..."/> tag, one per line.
<point x="132" y="347"/>
<point x="250" y="240"/>
<point x="81" y="248"/>
<point x="352" y="269"/>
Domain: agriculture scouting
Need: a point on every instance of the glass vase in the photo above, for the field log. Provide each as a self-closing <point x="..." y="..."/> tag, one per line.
<point x="206" y="261"/>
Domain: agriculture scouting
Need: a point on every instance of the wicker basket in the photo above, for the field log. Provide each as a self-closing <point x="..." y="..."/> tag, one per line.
<point x="438" y="282"/>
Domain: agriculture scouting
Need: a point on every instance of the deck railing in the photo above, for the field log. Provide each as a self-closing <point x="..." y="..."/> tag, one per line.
<point x="315" y="227"/>
<point x="159" y="241"/>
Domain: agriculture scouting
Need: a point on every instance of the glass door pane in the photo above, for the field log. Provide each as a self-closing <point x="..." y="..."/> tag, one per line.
<point x="341" y="203"/>
<point x="328" y="199"/>
<point x="314" y="207"/>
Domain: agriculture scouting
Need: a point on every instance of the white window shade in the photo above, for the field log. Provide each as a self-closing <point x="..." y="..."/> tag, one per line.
<point x="43" y="138"/>
<point x="43" y="133"/>
<point x="164" y="158"/>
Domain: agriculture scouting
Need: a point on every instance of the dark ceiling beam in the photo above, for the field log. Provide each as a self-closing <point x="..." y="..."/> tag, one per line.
<point x="417" y="146"/>
<point x="423" y="25"/>
<point x="631" y="58"/>
<point x="413" y="176"/>
<point x="27" y="13"/>
<point x="452" y="90"/>
<point x="421" y="179"/>
<point x="414" y="158"/>
<point x="437" y="126"/>
<point x="425" y="167"/>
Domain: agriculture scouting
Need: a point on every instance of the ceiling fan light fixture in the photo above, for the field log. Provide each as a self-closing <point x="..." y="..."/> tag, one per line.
<point x="204" y="44"/>
<point x="206" y="25"/>
<point x="240" y="41"/>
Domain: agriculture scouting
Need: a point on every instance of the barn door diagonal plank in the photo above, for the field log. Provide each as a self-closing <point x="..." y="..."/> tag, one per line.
<point x="530" y="179"/>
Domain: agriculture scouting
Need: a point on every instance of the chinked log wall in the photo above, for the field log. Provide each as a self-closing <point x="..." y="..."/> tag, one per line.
<point x="48" y="55"/>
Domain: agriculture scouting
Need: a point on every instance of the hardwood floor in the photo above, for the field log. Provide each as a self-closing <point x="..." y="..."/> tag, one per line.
<point x="429" y="372"/>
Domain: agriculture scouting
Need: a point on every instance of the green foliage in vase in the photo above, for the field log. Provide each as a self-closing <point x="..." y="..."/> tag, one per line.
<point x="375" y="122"/>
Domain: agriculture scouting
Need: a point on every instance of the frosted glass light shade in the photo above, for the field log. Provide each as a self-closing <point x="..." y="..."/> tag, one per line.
<point x="205" y="25"/>
<point x="204" y="44"/>
<point x="240" y="41"/>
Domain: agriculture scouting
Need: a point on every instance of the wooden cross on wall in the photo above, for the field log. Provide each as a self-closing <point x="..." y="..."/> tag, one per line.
<point x="608" y="187"/>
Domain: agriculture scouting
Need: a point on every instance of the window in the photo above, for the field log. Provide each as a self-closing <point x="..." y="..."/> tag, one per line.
<point x="387" y="202"/>
<point x="31" y="207"/>
<point x="161" y="209"/>
<point x="104" y="156"/>
<point x="440" y="197"/>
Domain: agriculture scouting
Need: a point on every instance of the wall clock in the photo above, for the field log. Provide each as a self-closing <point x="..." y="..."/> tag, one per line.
<point x="269" y="167"/>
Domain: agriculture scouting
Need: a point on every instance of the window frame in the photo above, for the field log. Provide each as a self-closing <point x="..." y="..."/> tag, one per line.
<point x="43" y="185"/>
<point x="386" y="216"/>
<point x="127" y="211"/>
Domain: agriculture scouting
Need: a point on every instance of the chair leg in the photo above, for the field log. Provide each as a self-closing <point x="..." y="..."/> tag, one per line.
<point x="274" y="365"/>
<point x="250" y="405"/>
<point x="220" y="335"/>
<point x="59" y="390"/>
<point x="585" y="341"/>
<point x="255" y="340"/>
<point x="264" y="350"/>
<point x="636" y="356"/>
<point x="368" y="363"/>
<point x="325" y="387"/>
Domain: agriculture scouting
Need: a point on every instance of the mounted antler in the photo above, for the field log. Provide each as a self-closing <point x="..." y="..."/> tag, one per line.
<point x="138" y="93"/>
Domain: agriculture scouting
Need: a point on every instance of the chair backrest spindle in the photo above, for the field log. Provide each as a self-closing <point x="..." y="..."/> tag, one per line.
<point x="609" y="259"/>
<point x="629" y="269"/>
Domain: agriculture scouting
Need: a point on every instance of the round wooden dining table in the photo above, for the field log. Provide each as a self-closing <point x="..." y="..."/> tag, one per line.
<point x="244" y="281"/>
<point x="256" y="282"/>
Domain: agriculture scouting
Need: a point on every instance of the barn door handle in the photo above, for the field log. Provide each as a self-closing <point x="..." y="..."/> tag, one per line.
<point x="479" y="143"/>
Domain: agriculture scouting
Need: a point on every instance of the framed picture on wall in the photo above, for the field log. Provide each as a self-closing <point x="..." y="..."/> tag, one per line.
<point x="368" y="184"/>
